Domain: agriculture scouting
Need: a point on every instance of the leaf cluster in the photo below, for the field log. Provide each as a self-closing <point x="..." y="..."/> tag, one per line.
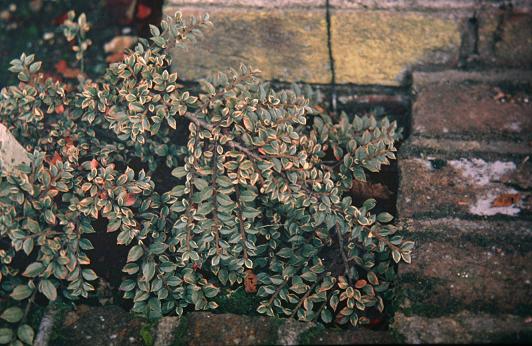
<point x="260" y="191"/>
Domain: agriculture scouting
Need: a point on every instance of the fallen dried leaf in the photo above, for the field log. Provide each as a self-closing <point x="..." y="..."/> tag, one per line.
<point x="506" y="200"/>
<point x="62" y="67"/>
<point x="367" y="190"/>
<point x="250" y="282"/>
<point x="143" y="11"/>
<point x="115" y="57"/>
<point x="119" y="43"/>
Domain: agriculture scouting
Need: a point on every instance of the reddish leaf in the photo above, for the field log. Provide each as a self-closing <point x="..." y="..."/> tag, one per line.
<point x="60" y="19"/>
<point x="130" y="200"/>
<point x="250" y="282"/>
<point x="56" y="158"/>
<point x="143" y="11"/>
<point x="94" y="164"/>
<point x="360" y="283"/>
<point x="59" y="109"/>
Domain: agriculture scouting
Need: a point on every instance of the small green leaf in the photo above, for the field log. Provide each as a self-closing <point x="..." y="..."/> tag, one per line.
<point x="34" y="269"/>
<point x="12" y="314"/>
<point x="26" y="334"/>
<point x="6" y="334"/>
<point x="135" y="253"/>
<point x="21" y="292"/>
<point x="47" y="288"/>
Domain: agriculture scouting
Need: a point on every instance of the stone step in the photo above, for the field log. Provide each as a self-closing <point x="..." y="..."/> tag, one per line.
<point x="467" y="186"/>
<point x="463" y="328"/>
<point x="469" y="281"/>
<point x="111" y="325"/>
<point x="468" y="264"/>
<point x="478" y="104"/>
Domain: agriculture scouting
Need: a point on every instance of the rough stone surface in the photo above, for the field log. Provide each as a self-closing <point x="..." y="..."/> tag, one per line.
<point x="286" y="45"/>
<point x="505" y="38"/>
<point x="249" y="3"/>
<point x="12" y="153"/>
<point x="203" y="328"/>
<point x="464" y="327"/>
<point x="438" y="186"/>
<point x="475" y="265"/>
<point x="380" y="47"/>
<point x="106" y="325"/>
<point x="471" y="108"/>
<point x="519" y="5"/>
<point x="466" y="147"/>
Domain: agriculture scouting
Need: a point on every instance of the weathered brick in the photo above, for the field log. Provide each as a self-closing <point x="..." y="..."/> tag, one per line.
<point x="377" y="47"/>
<point x="286" y="45"/>
<point x="463" y="328"/>
<point x="454" y="106"/>
<point x="460" y="264"/>
<point x="439" y="187"/>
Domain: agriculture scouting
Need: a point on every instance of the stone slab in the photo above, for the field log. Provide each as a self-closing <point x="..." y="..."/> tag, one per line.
<point x="462" y="264"/>
<point x="380" y="47"/>
<point x="286" y="45"/>
<point x="463" y="328"/>
<point x="204" y="328"/>
<point x="518" y="5"/>
<point x="463" y="147"/>
<point x="480" y="109"/>
<point x="12" y="153"/>
<point x="505" y="38"/>
<point x="249" y="3"/>
<point x="466" y="186"/>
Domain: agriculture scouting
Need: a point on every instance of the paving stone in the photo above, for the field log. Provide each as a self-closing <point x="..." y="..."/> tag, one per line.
<point x="463" y="328"/>
<point x="374" y="47"/>
<point x="466" y="186"/>
<point x="286" y="45"/>
<point x="12" y="153"/>
<point x="448" y="108"/>
<point x="464" y="264"/>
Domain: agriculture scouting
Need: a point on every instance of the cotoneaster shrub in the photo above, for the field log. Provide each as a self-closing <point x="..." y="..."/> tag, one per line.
<point x="259" y="195"/>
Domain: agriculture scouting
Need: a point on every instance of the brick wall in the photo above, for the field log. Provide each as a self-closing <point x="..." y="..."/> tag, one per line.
<point x="364" y="42"/>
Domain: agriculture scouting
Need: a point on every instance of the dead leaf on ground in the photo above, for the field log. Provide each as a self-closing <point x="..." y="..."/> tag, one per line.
<point x="250" y="282"/>
<point x="119" y="43"/>
<point x="62" y="67"/>
<point x="506" y="200"/>
<point x="369" y="190"/>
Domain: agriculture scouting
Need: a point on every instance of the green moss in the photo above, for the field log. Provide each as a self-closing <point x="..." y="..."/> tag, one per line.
<point x="180" y="333"/>
<point x="309" y="336"/>
<point x="146" y="334"/>
<point x="238" y="302"/>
